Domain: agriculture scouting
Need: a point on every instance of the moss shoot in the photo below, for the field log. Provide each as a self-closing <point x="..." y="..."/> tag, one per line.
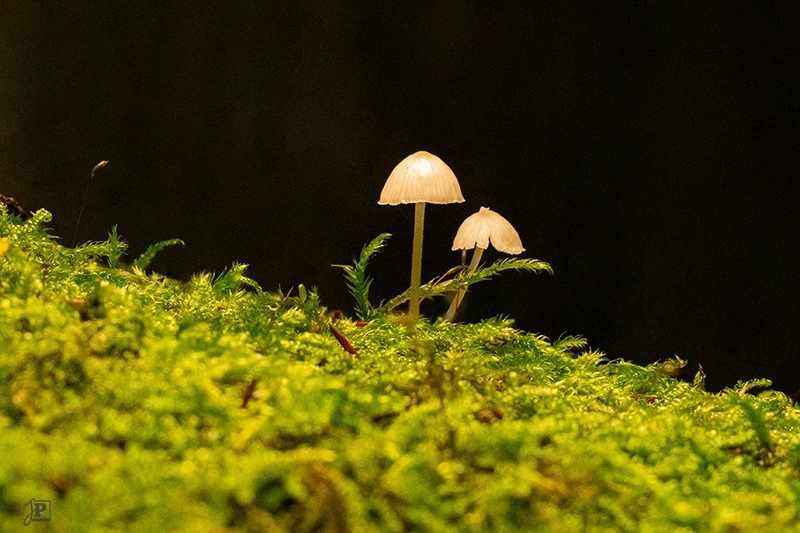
<point x="134" y="402"/>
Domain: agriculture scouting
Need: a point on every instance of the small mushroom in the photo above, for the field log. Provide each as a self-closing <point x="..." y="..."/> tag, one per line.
<point x="478" y="231"/>
<point x="419" y="179"/>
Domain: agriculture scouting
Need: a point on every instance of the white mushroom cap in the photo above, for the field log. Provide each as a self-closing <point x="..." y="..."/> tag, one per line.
<point x="484" y="227"/>
<point x="421" y="177"/>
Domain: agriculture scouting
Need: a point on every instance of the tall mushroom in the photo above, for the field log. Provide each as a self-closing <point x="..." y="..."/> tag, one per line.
<point x="419" y="179"/>
<point x="478" y="231"/>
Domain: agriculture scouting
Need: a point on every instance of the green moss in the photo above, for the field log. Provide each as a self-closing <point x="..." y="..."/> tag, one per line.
<point x="136" y="402"/>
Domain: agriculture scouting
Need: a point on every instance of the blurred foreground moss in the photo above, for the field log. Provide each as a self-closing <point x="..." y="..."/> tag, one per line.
<point x="139" y="403"/>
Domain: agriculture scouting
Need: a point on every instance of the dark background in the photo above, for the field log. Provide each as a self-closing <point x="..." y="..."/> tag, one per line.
<point x="648" y="151"/>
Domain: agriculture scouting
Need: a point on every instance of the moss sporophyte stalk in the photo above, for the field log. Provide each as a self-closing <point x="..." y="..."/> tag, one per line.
<point x="130" y="401"/>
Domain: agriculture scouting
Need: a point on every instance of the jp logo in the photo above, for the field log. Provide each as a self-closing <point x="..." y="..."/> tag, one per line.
<point x="40" y="511"/>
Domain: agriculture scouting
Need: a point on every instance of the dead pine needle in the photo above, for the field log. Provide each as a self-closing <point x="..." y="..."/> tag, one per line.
<point x="343" y="341"/>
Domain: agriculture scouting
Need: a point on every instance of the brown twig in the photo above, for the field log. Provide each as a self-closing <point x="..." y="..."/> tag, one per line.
<point x="343" y="341"/>
<point x="248" y="393"/>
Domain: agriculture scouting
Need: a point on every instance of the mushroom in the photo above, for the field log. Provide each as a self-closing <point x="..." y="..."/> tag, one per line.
<point x="478" y="231"/>
<point x="419" y="179"/>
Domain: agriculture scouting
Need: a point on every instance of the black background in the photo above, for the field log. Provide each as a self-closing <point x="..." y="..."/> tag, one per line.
<point x="648" y="151"/>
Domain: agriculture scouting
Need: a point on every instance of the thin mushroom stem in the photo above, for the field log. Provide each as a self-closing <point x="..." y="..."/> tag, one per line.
<point x="476" y="258"/>
<point x="416" y="264"/>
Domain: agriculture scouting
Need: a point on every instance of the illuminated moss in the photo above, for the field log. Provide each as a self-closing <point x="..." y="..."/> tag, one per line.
<point x="140" y="403"/>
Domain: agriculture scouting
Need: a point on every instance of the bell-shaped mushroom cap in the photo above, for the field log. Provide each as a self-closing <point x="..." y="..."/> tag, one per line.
<point x="421" y="177"/>
<point x="484" y="227"/>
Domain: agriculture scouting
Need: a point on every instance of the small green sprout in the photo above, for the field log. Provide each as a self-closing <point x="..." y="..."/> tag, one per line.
<point x="356" y="275"/>
<point x="144" y="260"/>
<point x="465" y="278"/>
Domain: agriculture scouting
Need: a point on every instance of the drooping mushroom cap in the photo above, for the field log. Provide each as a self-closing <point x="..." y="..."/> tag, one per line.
<point x="421" y="177"/>
<point x="486" y="227"/>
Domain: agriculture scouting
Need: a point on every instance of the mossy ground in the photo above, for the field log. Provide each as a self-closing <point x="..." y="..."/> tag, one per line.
<point x="138" y="403"/>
